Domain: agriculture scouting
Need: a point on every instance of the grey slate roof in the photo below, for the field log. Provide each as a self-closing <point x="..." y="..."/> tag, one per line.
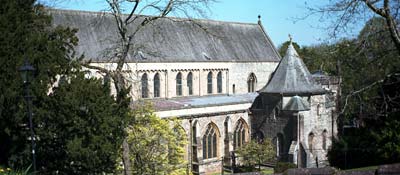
<point x="203" y="101"/>
<point x="170" y="39"/>
<point x="296" y="103"/>
<point x="292" y="77"/>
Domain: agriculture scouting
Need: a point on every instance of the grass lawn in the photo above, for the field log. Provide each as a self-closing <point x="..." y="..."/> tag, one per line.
<point x="363" y="168"/>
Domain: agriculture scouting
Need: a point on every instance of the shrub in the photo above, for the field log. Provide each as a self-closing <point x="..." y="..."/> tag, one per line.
<point x="281" y="167"/>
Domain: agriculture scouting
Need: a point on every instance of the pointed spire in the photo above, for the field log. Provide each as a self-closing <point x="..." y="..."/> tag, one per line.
<point x="292" y="77"/>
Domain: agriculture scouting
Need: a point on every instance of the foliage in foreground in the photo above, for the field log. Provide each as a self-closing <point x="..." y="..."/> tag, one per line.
<point x="157" y="146"/>
<point x="77" y="124"/>
<point x="9" y="171"/>
<point x="254" y="153"/>
<point x="281" y="167"/>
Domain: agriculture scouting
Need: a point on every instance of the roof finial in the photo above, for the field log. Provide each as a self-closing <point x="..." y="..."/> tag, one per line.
<point x="259" y="19"/>
<point x="290" y="38"/>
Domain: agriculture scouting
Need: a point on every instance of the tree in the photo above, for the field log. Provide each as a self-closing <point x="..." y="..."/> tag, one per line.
<point x="345" y="13"/>
<point x="126" y="38"/>
<point x="25" y="33"/>
<point x="254" y="153"/>
<point x="157" y="146"/>
<point x="79" y="128"/>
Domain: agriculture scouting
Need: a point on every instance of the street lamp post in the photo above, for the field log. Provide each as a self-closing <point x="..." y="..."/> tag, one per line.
<point x="26" y="70"/>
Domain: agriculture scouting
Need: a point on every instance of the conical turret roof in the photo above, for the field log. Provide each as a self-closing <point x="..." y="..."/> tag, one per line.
<point x="292" y="77"/>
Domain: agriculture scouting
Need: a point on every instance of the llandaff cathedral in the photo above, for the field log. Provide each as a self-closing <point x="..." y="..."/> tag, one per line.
<point x="225" y="80"/>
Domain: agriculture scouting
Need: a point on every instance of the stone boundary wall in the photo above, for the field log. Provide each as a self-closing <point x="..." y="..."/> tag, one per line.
<point x="391" y="169"/>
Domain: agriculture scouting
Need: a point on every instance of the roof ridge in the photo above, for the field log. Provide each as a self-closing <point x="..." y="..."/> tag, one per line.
<point x="170" y="17"/>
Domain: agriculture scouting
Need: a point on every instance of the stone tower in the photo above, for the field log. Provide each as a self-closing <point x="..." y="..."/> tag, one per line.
<point x="302" y="137"/>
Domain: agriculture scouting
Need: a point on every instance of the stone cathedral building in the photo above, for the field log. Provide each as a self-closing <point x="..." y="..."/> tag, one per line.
<point x="225" y="80"/>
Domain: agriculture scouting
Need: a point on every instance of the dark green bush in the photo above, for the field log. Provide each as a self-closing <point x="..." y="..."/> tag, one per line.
<point x="281" y="167"/>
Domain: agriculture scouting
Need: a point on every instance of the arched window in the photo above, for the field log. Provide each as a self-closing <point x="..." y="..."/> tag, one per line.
<point x="189" y="83"/>
<point x="157" y="85"/>
<point x="210" y="142"/>
<point x="251" y="82"/>
<point x="233" y="89"/>
<point x="179" y="84"/>
<point x="324" y="135"/>
<point x="209" y="83"/>
<point x="219" y="82"/>
<point x="311" y="142"/>
<point x="145" y="91"/>
<point x="240" y="134"/>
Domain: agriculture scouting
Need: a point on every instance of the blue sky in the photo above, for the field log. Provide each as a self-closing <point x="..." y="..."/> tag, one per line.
<point x="277" y="16"/>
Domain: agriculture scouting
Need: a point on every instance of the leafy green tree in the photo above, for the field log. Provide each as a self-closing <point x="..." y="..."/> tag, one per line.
<point x="254" y="153"/>
<point x="157" y="146"/>
<point x="78" y="126"/>
<point x="81" y="129"/>
<point x="25" y="32"/>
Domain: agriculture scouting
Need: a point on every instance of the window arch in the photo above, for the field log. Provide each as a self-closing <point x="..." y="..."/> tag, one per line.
<point x="157" y="85"/>
<point x="251" y="82"/>
<point x="240" y="134"/>
<point x="219" y="82"/>
<point x="209" y="83"/>
<point x="324" y="135"/>
<point x="189" y="83"/>
<point x="179" y="84"/>
<point x="310" y="142"/>
<point x="145" y="91"/>
<point x="210" y="142"/>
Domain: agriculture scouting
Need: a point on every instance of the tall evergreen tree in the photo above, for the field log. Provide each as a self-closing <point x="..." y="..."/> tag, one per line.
<point x="79" y="128"/>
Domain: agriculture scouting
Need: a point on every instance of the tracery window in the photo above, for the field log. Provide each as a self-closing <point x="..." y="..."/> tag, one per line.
<point x="251" y="83"/>
<point x="219" y="82"/>
<point x="189" y="83"/>
<point x="210" y="142"/>
<point x="209" y="83"/>
<point x="157" y="85"/>
<point x="179" y="84"/>
<point x="145" y="91"/>
<point x="240" y="134"/>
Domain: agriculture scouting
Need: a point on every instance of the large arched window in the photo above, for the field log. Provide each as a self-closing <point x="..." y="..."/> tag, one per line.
<point x="145" y="91"/>
<point x="324" y="135"/>
<point x="209" y="83"/>
<point x="240" y="134"/>
<point x="157" y="85"/>
<point x="210" y="142"/>
<point x="311" y="142"/>
<point x="219" y="82"/>
<point x="179" y="84"/>
<point x="251" y="83"/>
<point x="189" y="83"/>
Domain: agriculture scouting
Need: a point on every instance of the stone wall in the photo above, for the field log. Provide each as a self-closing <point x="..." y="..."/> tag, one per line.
<point x="234" y="76"/>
